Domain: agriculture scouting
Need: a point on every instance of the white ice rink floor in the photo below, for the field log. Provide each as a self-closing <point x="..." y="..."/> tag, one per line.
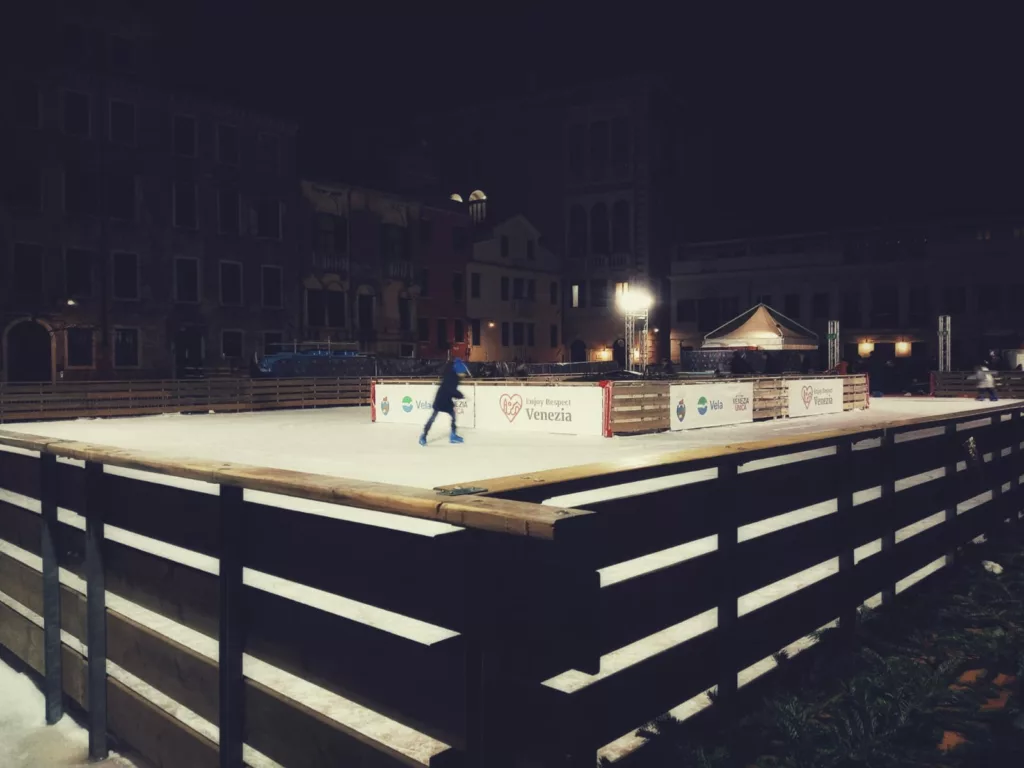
<point x="344" y="443"/>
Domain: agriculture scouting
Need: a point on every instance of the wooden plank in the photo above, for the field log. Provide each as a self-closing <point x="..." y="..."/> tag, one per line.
<point x="19" y="474"/>
<point x="391" y="569"/>
<point x="774" y="556"/>
<point x="774" y="490"/>
<point x="21" y="528"/>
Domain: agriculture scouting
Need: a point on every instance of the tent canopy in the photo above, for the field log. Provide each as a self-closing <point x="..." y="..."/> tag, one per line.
<point x="761" y="327"/>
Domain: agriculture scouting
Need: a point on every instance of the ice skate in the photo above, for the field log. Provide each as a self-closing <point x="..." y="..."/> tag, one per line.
<point x="423" y="440"/>
<point x="455" y="439"/>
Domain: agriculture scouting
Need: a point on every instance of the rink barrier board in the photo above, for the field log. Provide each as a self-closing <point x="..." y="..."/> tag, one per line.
<point x="975" y="459"/>
<point x="1009" y="384"/>
<point x="519" y="595"/>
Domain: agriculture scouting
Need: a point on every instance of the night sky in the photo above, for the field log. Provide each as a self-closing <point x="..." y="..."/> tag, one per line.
<point x="814" y="121"/>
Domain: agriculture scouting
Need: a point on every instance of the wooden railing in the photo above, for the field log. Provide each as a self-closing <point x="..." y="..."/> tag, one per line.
<point x="539" y="619"/>
<point x="90" y="399"/>
<point x="1009" y="384"/>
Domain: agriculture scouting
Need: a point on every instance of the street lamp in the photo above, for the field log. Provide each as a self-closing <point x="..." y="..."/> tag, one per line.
<point x="635" y="306"/>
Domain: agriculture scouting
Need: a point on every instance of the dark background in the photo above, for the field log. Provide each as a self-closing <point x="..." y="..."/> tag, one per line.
<point x="812" y="121"/>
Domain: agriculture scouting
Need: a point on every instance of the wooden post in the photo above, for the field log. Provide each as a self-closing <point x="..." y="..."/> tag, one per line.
<point x="844" y="509"/>
<point x="232" y="643"/>
<point x="96" y="608"/>
<point x="728" y="534"/>
<point x="888" y="497"/>
<point x="952" y="484"/>
<point x="52" y="683"/>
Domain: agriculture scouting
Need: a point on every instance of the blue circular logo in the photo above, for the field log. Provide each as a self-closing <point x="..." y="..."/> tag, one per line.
<point x="407" y="404"/>
<point x="681" y="410"/>
<point x="702" y="406"/>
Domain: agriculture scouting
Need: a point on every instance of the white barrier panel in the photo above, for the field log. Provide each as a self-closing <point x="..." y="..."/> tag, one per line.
<point x="413" y="404"/>
<point x="812" y="397"/>
<point x="693" y="406"/>
<point x="577" y="410"/>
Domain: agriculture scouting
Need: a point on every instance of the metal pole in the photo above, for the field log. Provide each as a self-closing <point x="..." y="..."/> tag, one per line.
<point x="945" y="343"/>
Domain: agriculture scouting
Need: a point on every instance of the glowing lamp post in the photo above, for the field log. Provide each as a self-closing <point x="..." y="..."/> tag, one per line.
<point x="635" y="307"/>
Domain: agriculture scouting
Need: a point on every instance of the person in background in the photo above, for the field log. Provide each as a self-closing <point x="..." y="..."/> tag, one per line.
<point x="985" y="383"/>
<point x="447" y="394"/>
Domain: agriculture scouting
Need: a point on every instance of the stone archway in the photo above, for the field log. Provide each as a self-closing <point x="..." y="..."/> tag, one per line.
<point x="578" y="351"/>
<point x="28" y="352"/>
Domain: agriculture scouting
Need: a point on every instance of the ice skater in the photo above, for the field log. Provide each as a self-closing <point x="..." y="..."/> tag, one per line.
<point x="444" y="400"/>
<point x="985" y="383"/>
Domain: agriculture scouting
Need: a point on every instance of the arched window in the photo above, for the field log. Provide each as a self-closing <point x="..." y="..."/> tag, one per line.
<point x="478" y="205"/>
<point x="620" y="227"/>
<point x="577" y="232"/>
<point x="599" y="228"/>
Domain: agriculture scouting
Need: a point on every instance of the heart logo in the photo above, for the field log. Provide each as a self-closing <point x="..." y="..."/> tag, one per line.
<point x="806" y="394"/>
<point x="511" y="405"/>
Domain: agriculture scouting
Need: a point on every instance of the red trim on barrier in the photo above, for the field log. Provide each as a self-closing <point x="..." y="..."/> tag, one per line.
<point x="373" y="400"/>
<point x="606" y="417"/>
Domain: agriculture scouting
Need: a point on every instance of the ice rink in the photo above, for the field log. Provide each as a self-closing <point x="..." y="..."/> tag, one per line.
<point x="344" y="443"/>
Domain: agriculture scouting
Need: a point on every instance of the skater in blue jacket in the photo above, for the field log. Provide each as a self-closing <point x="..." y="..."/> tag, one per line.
<point x="447" y="394"/>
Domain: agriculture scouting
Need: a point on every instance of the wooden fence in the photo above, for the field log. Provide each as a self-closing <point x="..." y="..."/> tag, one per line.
<point x="1009" y="384"/>
<point x="90" y="399"/>
<point x="645" y="406"/>
<point x="540" y="618"/>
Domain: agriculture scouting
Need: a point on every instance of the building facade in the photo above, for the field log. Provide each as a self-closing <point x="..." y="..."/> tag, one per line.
<point x="885" y="286"/>
<point x="142" y="233"/>
<point x="598" y="169"/>
<point x="515" y="296"/>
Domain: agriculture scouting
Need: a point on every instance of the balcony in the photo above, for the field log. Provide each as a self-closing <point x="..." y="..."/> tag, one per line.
<point x="334" y="263"/>
<point x="398" y="269"/>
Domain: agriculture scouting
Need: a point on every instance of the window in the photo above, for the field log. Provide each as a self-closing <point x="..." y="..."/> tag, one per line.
<point x="850" y="308"/>
<point x="404" y="313"/>
<point x="620" y="144"/>
<point x="686" y="311"/>
<point x="577" y="245"/>
<point x="459" y="333"/>
<point x="576" y="141"/>
<point x="530" y="255"/>
<point x="231" y="283"/>
<point x="272" y="286"/>
<point x="126" y="347"/>
<point x="77" y="117"/>
<point x="78" y="273"/>
<point x="707" y="314"/>
<point x="620" y="227"/>
<point x="474" y="285"/>
<point x="576" y="297"/>
<point x="531" y="290"/>
<point x="504" y="246"/>
<point x="406" y="350"/>
<point x="517" y="334"/>
<point x="184" y="136"/>
<point x="331" y="234"/>
<point x="231" y="343"/>
<point x="458" y="286"/>
<point x="474" y="329"/>
<point x="121" y="55"/>
<point x="599" y="293"/>
<point x="185" y="205"/>
<point x="427" y="232"/>
<point x="26" y="104"/>
<point x="918" y="309"/>
<point x="955" y="300"/>
<point x="126" y="276"/>
<point x="28" y="271"/>
<point x="22" y="184"/>
<point x="394" y="243"/>
<point x="186" y="280"/>
<point x="424" y="283"/>
<point x="517" y="288"/>
<point x="579" y="296"/>
<point x="620" y="289"/>
<point x="531" y="337"/>
<point x="504" y="289"/>
<point x="554" y="294"/>
<point x="885" y="307"/>
<point x="599" y="228"/>
<point x="598" y="150"/>
<point x="316" y="308"/>
<point x="268" y="219"/>
<point x="122" y="122"/>
<point x="227" y="144"/>
<point x="554" y="336"/>
<point x="504" y="334"/>
<point x="337" y="317"/>
<point x="820" y="306"/>
<point x="272" y="342"/>
<point x="792" y="305"/>
<point x="79" y="348"/>
<point x="227" y="211"/>
<point x="423" y="329"/>
<point x="442" y="333"/>
<point x="121" y="197"/>
<point x="81" y="192"/>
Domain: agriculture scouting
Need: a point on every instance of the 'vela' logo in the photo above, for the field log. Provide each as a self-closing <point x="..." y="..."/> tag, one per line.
<point x="806" y="393"/>
<point x="511" y="405"/>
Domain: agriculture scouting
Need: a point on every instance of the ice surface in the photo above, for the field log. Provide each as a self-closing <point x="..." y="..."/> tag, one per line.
<point x="344" y="443"/>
